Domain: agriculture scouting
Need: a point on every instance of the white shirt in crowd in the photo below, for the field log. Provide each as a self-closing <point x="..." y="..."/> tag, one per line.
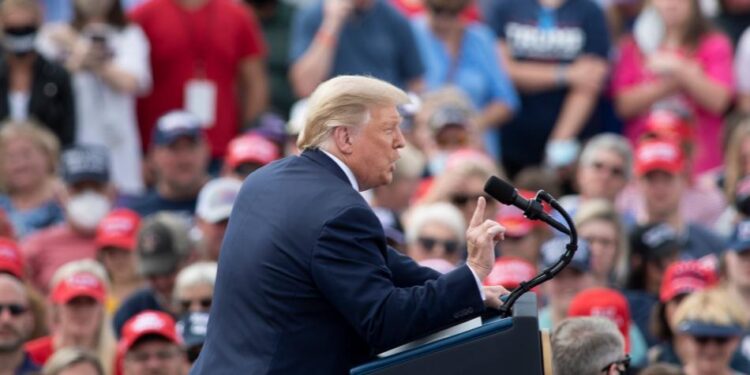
<point x="105" y="116"/>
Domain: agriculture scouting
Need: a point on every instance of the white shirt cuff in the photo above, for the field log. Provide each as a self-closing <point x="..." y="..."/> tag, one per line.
<point x="479" y="283"/>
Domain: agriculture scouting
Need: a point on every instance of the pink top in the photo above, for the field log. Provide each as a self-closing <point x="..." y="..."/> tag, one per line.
<point x="714" y="54"/>
<point x="46" y="250"/>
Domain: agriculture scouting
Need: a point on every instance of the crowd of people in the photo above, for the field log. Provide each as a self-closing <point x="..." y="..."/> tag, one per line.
<point x="128" y="127"/>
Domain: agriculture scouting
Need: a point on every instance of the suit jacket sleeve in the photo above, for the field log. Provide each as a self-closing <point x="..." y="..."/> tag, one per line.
<point x="349" y="267"/>
<point x="406" y="272"/>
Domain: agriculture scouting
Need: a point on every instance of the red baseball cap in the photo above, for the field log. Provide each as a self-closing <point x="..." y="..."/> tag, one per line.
<point x="251" y="148"/>
<point x="668" y="125"/>
<point x="118" y="229"/>
<point x="516" y="225"/>
<point x="81" y="284"/>
<point x="658" y="155"/>
<point x="604" y="302"/>
<point x="149" y="322"/>
<point x="510" y="272"/>
<point x="11" y="260"/>
<point x="684" y="277"/>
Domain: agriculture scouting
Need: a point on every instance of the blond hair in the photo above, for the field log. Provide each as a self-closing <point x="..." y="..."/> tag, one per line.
<point x="40" y="136"/>
<point x="106" y="344"/>
<point x="66" y="358"/>
<point x="344" y="101"/>
<point x="711" y="306"/>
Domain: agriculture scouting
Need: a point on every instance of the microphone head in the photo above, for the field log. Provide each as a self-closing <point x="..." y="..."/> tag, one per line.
<point x="504" y="192"/>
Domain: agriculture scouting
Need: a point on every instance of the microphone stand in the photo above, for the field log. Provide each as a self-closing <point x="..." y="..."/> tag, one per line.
<point x="550" y="272"/>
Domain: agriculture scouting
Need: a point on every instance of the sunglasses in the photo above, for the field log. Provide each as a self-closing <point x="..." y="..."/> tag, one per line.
<point x="203" y="302"/>
<point x="429" y="243"/>
<point x="704" y="340"/>
<point x="622" y="365"/>
<point x="613" y="170"/>
<point x="463" y="199"/>
<point x="14" y="309"/>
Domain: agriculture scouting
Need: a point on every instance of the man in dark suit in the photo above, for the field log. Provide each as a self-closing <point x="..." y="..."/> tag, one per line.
<point x="306" y="283"/>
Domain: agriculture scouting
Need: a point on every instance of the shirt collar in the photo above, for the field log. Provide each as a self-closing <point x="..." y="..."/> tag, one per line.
<point x="347" y="171"/>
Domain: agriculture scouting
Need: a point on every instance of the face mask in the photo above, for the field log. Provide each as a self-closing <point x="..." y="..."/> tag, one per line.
<point x="20" y="40"/>
<point x="87" y="209"/>
<point x="437" y="163"/>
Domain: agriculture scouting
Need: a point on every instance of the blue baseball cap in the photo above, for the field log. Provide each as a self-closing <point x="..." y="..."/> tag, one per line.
<point x="553" y="250"/>
<point x="740" y="240"/>
<point x="174" y="125"/>
<point x="705" y="329"/>
<point x="85" y="163"/>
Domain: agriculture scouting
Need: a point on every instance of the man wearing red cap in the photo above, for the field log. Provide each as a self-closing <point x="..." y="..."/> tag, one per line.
<point x="247" y="153"/>
<point x="150" y="344"/>
<point x="17" y="323"/>
<point x="659" y="165"/>
<point x="611" y="304"/>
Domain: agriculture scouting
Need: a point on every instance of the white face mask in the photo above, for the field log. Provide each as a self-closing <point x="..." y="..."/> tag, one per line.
<point x="87" y="209"/>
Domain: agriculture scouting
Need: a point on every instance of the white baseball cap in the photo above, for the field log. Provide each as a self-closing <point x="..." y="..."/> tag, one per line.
<point x="216" y="199"/>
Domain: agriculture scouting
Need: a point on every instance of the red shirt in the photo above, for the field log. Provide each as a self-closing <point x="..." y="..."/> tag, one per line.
<point x="208" y="42"/>
<point x="40" y="350"/>
<point x="47" y="250"/>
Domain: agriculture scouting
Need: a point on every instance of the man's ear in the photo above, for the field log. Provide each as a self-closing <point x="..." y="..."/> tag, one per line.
<point x="343" y="137"/>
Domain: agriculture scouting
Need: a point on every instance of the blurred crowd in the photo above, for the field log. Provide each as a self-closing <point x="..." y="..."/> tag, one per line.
<point x="128" y="127"/>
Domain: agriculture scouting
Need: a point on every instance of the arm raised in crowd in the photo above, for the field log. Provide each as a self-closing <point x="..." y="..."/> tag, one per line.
<point x="314" y="58"/>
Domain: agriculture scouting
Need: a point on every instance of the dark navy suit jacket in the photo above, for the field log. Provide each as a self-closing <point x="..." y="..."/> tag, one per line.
<point x="307" y="285"/>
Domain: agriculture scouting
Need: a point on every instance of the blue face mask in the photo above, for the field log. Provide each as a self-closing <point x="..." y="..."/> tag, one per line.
<point x="20" y="41"/>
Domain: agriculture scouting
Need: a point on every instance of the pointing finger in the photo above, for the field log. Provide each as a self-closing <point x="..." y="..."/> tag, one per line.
<point x="478" y="216"/>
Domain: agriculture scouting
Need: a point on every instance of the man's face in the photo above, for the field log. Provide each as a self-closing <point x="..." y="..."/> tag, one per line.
<point x="16" y="321"/>
<point x="602" y="177"/>
<point x="375" y="148"/>
<point x="155" y="357"/>
<point x="212" y="237"/>
<point x="566" y="285"/>
<point x="662" y="192"/>
<point x="163" y="284"/>
<point x="182" y="164"/>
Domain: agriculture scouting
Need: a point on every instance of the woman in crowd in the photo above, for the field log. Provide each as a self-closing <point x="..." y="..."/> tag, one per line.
<point x="690" y="68"/>
<point x="109" y="59"/>
<point x="28" y="160"/>
<point x="77" y="314"/>
<point x="736" y="184"/>
<point x="194" y="287"/>
<point x="600" y="226"/>
<point x="712" y="324"/>
<point x="31" y="87"/>
<point x="116" y="238"/>
<point x="73" y="361"/>
<point x="464" y="55"/>
<point x="435" y="235"/>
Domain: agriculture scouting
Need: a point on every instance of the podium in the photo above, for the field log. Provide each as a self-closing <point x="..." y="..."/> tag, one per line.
<point x="507" y="346"/>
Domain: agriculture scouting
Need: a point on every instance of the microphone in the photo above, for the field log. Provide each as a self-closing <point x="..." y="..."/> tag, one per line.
<point x="506" y="194"/>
